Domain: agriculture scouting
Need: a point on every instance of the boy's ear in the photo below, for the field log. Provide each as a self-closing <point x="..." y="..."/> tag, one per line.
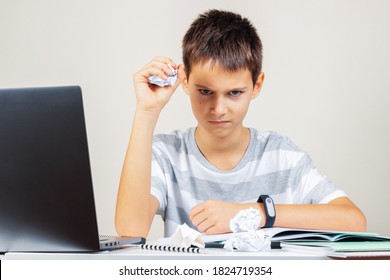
<point x="258" y="85"/>
<point x="184" y="80"/>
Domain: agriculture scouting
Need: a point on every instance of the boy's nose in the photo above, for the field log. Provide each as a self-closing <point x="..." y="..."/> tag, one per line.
<point x="219" y="106"/>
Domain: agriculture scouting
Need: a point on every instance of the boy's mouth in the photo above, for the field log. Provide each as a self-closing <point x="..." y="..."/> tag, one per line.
<point x="219" y="123"/>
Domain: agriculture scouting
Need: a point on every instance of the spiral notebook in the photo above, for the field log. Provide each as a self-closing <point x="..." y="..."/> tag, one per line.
<point x="177" y="249"/>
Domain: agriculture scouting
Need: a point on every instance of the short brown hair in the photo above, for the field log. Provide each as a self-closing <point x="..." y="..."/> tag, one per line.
<point x="224" y="37"/>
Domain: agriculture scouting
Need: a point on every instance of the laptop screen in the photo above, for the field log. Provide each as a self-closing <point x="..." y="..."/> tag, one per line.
<point x="46" y="192"/>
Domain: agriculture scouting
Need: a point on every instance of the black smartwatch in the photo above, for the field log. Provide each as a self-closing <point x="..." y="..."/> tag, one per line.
<point x="269" y="208"/>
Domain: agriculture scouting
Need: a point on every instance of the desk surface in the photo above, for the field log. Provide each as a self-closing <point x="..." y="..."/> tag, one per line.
<point x="135" y="253"/>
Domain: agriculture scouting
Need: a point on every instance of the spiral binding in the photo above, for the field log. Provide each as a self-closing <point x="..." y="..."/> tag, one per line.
<point x="173" y="248"/>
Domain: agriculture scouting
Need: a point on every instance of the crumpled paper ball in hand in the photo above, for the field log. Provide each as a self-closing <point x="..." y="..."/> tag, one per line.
<point x="247" y="237"/>
<point x="245" y="220"/>
<point x="170" y="81"/>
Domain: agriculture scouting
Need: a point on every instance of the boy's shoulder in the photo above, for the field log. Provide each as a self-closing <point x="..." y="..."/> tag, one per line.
<point x="272" y="140"/>
<point x="177" y="139"/>
<point x="176" y="135"/>
<point x="265" y="140"/>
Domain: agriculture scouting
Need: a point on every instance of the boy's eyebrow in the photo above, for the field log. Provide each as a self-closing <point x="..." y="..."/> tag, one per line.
<point x="239" y="89"/>
<point x="200" y="86"/>
<point x="233" y="89"/>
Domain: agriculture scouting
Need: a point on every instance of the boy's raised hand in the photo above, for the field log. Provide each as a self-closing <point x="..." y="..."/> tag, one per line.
<point x="153" y="98"/>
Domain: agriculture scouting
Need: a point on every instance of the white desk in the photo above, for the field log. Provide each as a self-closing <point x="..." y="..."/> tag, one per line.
<point x="113" y="264"/>
<point x="134" y="253"/>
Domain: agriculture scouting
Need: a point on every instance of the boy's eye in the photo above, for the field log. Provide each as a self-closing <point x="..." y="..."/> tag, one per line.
<point x="205" y="91"/>
<point x="235" y="93"/>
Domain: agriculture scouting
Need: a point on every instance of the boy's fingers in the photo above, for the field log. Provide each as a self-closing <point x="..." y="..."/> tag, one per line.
<point x="164" y="59"/>
<point x="205" y="225"/>
<point x="196" y="210"/>
<point x="163" y="62"/>
<point x="201" y="221"/>
<point x="158" y="67"/>
<point x="146" y="72"/>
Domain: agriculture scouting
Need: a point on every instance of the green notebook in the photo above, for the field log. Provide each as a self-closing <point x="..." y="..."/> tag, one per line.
<point x="340" y="246"/>
<point x="341" y="249"/>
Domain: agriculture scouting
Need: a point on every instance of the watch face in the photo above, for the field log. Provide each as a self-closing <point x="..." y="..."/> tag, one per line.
<point x="270" y="207"/>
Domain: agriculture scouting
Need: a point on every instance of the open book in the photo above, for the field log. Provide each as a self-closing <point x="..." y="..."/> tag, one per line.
<point x="278" y="234"/>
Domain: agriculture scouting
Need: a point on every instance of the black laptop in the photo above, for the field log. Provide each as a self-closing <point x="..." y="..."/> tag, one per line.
<point x="46" y="192"/>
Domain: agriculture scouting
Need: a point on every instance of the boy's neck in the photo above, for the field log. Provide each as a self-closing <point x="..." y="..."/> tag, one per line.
<point x="223" y="152"/>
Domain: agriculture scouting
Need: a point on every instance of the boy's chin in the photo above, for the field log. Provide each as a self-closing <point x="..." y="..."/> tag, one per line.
<point x="221" y="130"/>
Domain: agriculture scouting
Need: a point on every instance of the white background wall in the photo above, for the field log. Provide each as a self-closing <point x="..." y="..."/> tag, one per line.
<point x="327" y="81"/>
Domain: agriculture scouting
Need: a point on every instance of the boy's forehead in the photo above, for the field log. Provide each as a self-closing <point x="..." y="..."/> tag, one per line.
<point x="209" y="72"/>
<point x="208" y="66"/>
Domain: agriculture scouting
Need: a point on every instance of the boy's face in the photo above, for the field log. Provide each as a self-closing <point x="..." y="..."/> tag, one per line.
<point x="220" y="99"/>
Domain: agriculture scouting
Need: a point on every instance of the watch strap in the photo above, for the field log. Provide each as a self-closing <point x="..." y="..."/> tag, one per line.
<point x="269" y="209"/>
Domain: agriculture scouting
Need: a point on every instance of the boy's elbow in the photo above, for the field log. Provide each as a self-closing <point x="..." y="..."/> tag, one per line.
<point x="362" y="221"/>
<point x="120" y="228"/>
<point x="125" y="227"/>
<point x="359" y="221"/>
<point x="134" y="221"/>
<point x="127" y="230"/>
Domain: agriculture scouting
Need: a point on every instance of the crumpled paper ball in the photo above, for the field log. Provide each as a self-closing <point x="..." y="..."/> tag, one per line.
<point x="171" y="80"/>
<point x="184" y="236"/>
<point x="247" y="238"/>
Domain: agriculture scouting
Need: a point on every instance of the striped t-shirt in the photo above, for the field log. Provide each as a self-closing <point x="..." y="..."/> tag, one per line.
<point x="182" y="177"/>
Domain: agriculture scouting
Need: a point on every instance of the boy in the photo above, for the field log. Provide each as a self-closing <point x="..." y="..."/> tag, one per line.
<point x="204" y="176"/>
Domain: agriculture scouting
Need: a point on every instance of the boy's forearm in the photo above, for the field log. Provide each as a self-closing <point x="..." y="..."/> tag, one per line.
<point x="320" y="216"/>
<point x="341" y="214"/>
<point x="133" y="215"/>
<point x="213" y="216"/>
